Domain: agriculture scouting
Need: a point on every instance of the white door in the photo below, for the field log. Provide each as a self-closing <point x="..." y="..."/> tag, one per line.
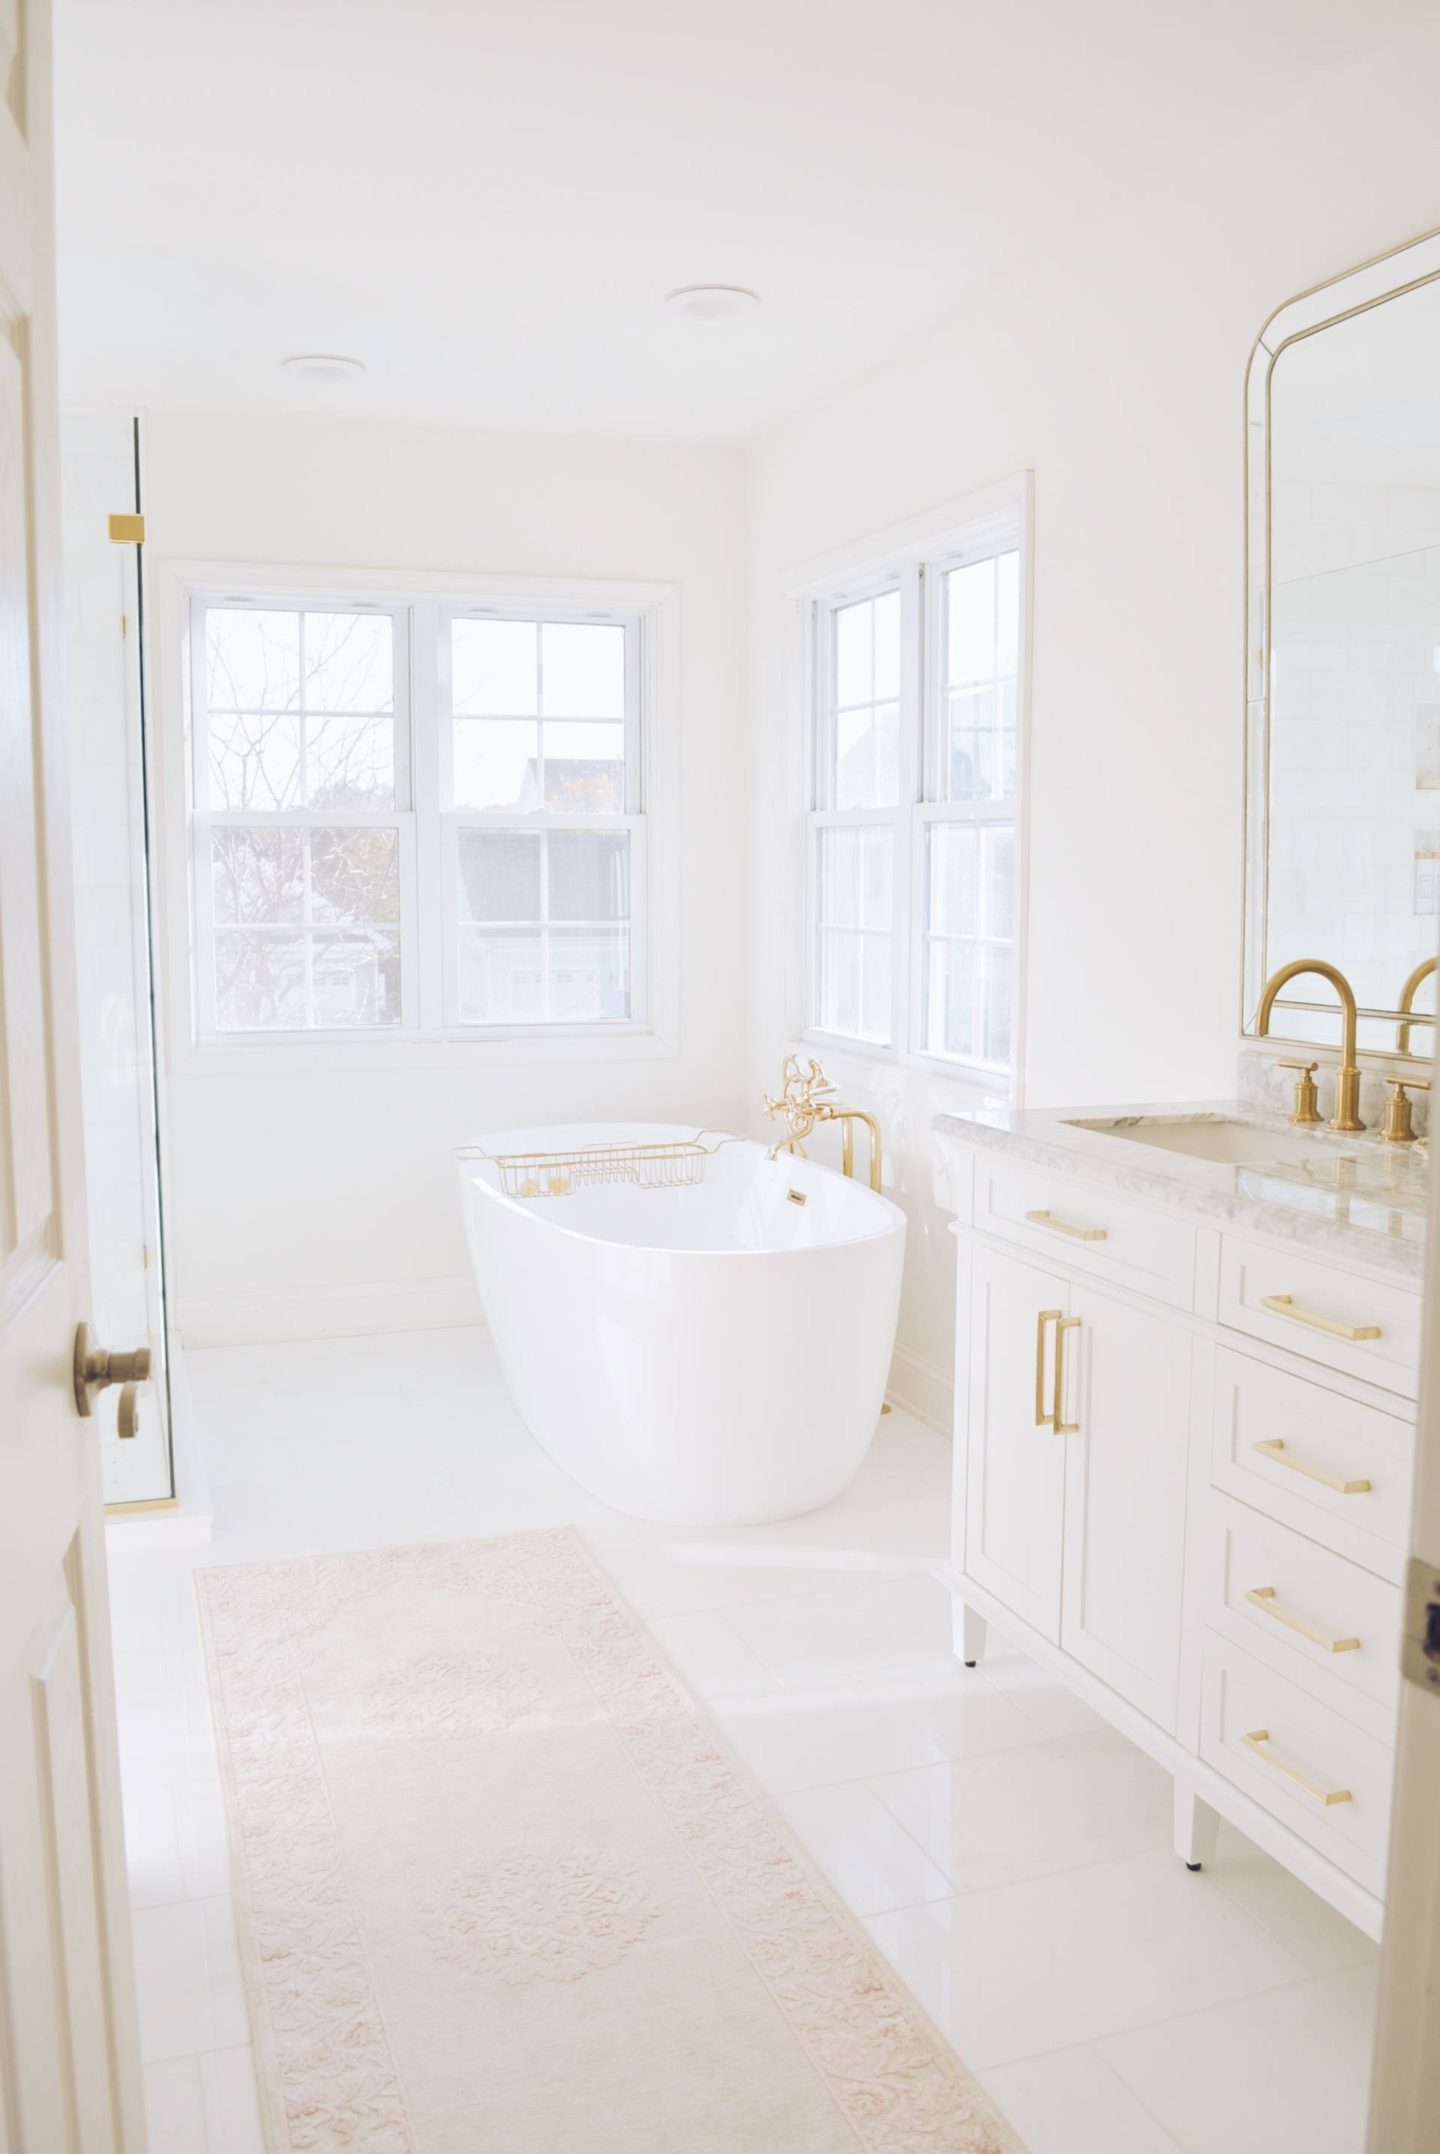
<point x="1128" y="1394"/>
<point x="1015" y="1462"/>
<point x="69" y="2070"/>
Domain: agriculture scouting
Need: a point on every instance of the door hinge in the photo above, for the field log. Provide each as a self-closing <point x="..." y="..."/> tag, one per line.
<point x="127" y="530"/>
<point x="1420" y="1648"/>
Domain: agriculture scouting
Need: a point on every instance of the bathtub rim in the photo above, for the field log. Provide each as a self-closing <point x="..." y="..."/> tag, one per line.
<point x="893" y="1219"/>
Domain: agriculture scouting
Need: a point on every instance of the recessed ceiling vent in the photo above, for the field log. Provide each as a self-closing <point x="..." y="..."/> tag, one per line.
<point x="712" y="302"/>
<point x="322" y="366"/>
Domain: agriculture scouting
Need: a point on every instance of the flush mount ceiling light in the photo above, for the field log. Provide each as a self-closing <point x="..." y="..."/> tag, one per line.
<point x="712" y="302"/>
<point x="322" y="366"/>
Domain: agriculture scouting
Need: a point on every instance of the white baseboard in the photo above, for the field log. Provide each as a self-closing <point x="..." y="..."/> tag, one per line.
<point x="923" y="1389"/>
<point x="327" y="1312"/>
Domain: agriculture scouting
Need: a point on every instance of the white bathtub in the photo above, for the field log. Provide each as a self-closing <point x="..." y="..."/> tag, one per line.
<point x="704" y="1356"/>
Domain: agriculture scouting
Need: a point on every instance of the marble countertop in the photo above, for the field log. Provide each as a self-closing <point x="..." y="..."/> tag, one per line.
<point x="1359" y="1200"/>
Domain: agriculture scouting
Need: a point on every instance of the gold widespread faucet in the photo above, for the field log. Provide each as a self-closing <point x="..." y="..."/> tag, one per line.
<point x="1347" y="1077"/>
<point x="803" y="1101"/>
<point x="1407" y="1001"/>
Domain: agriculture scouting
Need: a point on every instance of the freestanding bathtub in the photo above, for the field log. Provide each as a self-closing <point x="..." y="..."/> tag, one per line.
<point x="710" y="1355"/>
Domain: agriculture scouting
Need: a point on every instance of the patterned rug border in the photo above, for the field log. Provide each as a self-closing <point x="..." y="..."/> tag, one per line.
<point x="333" y="2085"/>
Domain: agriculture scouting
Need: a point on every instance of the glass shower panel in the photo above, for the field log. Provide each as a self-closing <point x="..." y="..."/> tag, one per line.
<point x="104" y="629"/>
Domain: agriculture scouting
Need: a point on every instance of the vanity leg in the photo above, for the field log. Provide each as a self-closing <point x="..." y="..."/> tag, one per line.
<point x="1197" y="1827"/>
<point x="969" y="1634"/>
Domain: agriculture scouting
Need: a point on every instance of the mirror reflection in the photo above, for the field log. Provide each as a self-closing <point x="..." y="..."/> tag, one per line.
<point x="1352" y="862"/>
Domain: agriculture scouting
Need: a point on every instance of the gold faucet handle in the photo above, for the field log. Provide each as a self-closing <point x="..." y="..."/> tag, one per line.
<point x="1307" y="1098"/>
<point x="1399" y="1124"/>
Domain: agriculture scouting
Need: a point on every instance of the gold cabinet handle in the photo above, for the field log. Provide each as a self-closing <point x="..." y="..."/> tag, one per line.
<point x="1258" y="1742"/>
<point x="1285" y="1305"/>
<point x="1263" y="1598"/>
<point x="1274" y="1448"/>
<point x="1046" y="1316"/>
<point x="1063" y="1226"/>
<point x="1062" y="1428"/>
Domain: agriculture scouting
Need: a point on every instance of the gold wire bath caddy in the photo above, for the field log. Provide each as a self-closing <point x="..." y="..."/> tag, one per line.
<point x="678" y="1164"/>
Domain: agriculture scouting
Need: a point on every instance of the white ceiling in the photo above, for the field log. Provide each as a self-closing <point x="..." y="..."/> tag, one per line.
<point x="486" y="200"/>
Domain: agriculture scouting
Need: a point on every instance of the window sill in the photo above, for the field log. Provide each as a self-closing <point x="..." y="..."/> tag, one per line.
<point x="883" y="1069"/>
<point x="413" y="1052"/>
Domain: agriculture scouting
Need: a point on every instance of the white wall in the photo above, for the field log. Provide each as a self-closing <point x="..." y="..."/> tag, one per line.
<point x="1115" y="372"/>
<point x="305" y="1197"/>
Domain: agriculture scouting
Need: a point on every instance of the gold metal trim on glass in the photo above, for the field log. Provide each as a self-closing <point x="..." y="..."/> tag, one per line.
<point x="1257" y="1743"/>
<point x="1285" y="1305"/>
<point x="1264" y="1598"/>
<point x="1274" y="1449"/>
<point x="1063" y="1226"/>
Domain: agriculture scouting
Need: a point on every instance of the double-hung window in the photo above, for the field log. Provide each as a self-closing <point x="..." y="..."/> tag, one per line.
<point x="544" y="837"/>
<point x="302" y="826"/>
<point x="915" y="682"/>
<point x="418" y="817"/>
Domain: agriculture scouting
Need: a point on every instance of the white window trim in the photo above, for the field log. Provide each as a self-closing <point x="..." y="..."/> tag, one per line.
<point x="652" y="1030"/>
<point x="936" y="541"/>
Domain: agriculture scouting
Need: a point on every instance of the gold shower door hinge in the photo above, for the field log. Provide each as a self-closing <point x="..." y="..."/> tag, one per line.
<point x="127" y="530"/>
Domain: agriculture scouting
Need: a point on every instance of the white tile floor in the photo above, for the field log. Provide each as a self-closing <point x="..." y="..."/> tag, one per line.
<point x="1006" y="1849"/>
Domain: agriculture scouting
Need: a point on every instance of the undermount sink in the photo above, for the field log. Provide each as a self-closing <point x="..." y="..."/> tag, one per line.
<point x="1229" y="1143"/>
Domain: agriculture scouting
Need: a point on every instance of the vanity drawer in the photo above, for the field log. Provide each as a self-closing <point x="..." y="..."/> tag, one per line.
<point x="1300" y="1760"/>
<point x="1322" y="1463"/>
<point x="1088" y="1228"/>
<point x="1364" y="1328"/>
<point x="1305" y="1611"/>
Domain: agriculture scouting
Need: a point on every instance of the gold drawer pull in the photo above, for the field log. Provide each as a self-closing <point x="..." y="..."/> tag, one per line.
<point x="1274" y="1448"/>
<point x="1062" y="1428"/>
<point x="1263" y="1598"/>
<point x="1061" y="1226"/>
<point x="1284" y="1305"/>
<point x="1045" y="1316"/>
<point x="1257" y="1741"/>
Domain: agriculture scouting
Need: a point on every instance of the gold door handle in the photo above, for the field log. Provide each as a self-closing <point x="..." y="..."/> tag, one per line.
<point x="1062" y="1428"/>
<point x="1258" y="1740"/>
<point x="1046" y="1316"/>
<point x="1285" y="1305"/>
<point x="1274" y="1448"/>
<point x="1063" y="1226"/>
<point x="95" y="1368"/>
<point x="1263" y="1598"/>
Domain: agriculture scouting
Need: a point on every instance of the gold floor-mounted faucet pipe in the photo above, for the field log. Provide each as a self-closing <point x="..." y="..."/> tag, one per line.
<point x="804" y="1099"/>
<point x="1347" y="1077"/>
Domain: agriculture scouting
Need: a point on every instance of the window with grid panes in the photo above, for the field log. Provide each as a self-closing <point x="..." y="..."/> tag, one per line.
<point x="415" y="818"/>
<point x="915" y="682"/>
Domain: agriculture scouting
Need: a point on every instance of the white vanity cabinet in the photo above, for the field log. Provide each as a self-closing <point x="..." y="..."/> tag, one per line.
<point x="1077" y="1415"/>
<point x="1182" y="1482"/>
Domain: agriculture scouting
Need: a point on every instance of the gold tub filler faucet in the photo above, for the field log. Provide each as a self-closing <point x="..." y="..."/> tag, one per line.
<point x="805" y="1099"/>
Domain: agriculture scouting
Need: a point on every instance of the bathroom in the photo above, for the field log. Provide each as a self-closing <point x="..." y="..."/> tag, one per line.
<point x="850" y="499"/>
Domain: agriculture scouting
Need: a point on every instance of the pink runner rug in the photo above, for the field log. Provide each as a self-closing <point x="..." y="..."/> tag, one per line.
<point x="502" y="1889"/>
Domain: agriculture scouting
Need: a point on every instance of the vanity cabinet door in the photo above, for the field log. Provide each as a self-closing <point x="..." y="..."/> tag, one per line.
<point x="1128" y="1392"/>
<point x="1014" y="1465"/>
